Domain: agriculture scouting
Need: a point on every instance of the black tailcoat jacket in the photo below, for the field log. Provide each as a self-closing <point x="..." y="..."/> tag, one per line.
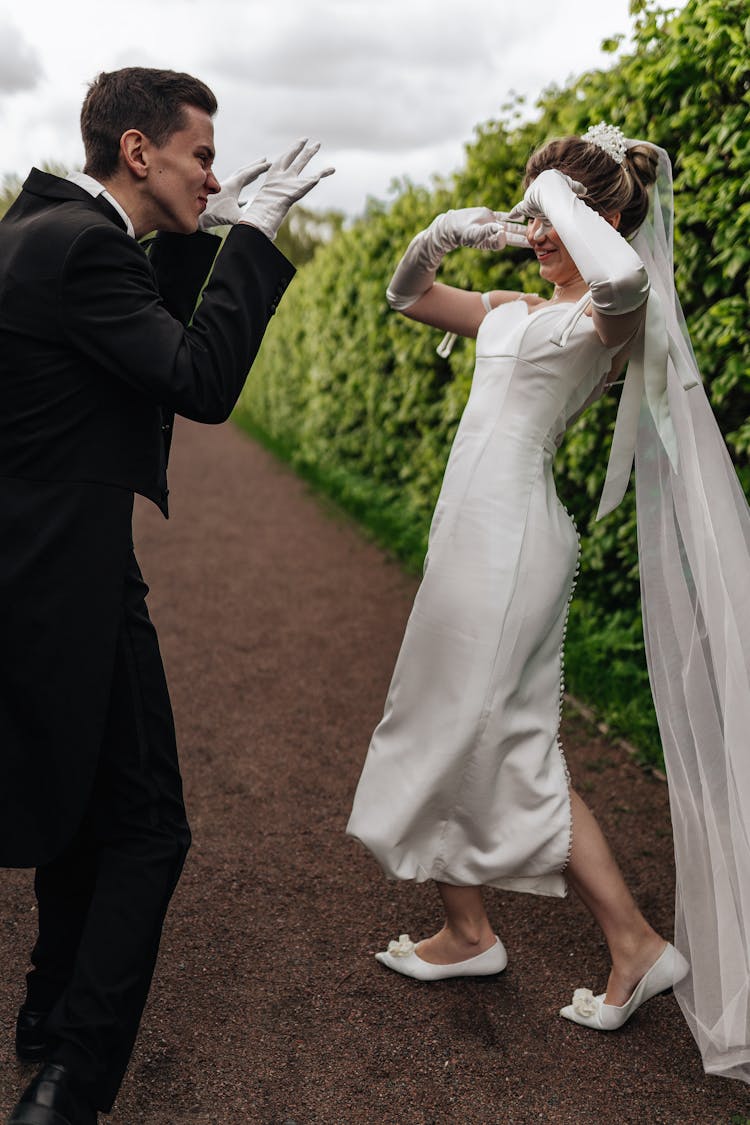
<point x="95" y="360"/>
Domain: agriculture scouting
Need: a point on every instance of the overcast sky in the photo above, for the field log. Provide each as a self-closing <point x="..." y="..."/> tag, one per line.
<point x="391" y="87"/>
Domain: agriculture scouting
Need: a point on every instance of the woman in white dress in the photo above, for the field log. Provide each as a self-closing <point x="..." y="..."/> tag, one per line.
<point x="465" y="781"/>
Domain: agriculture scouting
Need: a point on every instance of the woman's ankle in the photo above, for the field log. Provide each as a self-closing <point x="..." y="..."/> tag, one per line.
<point x="639" y="945"/>
<point x="631" y="964"/>
<point x="471" y="933"/>
<point x="448" y="946"/>
<point x="466" y="921"/>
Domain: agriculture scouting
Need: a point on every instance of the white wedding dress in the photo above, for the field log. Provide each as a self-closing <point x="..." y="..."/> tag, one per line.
<point x="465" y="780"/>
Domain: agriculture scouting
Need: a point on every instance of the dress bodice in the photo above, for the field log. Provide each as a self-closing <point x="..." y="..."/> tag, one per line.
<point x="550" y="381"/>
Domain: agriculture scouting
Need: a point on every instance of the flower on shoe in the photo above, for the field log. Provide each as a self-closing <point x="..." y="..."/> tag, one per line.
<point x="584" y="1002"/>
<point x="401" y="948"/>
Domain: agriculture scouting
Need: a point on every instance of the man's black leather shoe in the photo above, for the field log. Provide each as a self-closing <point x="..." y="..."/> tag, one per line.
<point x="51" y="1100"/>
<point x="31" y="1039"/>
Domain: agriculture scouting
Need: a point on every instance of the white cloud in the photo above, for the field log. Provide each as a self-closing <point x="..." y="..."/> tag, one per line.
<point x="329" y="48"/>
<point x="20" y="65"/>
<point x="385" y="77"/>
<point x="344" y="119"/>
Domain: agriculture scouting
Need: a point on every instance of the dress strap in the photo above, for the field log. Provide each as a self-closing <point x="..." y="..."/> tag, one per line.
<point x="561" y="337"/>
<point x="445" y="347"/>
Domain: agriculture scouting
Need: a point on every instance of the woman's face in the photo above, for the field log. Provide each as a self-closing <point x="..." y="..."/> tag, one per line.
<point x="555" y="263"/>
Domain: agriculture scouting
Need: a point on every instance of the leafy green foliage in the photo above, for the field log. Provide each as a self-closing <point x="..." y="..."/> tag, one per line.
<point x="303" y="231"/>
<point x="354" y="392"/>
<point x="9" y="189"/>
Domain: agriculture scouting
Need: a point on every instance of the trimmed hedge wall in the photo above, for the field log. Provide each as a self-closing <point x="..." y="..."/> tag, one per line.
<point x="356" y="397"/>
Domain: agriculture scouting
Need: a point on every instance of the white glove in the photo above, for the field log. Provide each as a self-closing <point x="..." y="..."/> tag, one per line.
<point x="470" y="226"/>
<point x="224" y="209"/>
<point x="610" y="267"/>
<point x="282" y="187"/>
<point x="531" y="206"/>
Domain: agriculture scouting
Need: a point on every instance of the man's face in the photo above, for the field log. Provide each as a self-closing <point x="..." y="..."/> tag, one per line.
<point x="179" y="174"/>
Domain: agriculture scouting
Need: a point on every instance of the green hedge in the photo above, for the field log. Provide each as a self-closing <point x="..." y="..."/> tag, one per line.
<point x="356" y="397"/>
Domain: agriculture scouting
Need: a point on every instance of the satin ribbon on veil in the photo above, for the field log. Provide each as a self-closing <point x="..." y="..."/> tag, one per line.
<point x="646" y="379"/>
<point x="694" y="557"/>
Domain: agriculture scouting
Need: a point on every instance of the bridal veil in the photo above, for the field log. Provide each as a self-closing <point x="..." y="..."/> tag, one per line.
<point x="694" y="552"/>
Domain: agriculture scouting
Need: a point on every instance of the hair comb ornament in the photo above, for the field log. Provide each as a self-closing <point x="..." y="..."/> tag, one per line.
<point x="609" y="138"/>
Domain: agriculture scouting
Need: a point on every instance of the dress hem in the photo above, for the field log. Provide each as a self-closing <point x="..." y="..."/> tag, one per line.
<point x="551" y="884"/>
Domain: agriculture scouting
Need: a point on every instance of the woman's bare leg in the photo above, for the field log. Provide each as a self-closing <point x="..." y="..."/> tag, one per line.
<point x="595" y="877"/>
<point x="467" y="931"/>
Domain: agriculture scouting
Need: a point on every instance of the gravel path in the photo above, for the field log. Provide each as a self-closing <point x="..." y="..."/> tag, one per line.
<point x="279" y="626"/>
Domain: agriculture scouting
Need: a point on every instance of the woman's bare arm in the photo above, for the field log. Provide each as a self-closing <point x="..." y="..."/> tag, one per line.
<point x="413" y="290"/>
<point x="459" y="310"/>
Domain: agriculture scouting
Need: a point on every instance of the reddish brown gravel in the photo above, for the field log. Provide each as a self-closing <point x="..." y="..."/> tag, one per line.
<point x="279" y="625"/>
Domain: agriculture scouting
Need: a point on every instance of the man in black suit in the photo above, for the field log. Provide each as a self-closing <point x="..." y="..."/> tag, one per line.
<point x="95" y="360"/>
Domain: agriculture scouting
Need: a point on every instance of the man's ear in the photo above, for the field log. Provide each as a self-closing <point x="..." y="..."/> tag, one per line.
<point x="134" y="146"/>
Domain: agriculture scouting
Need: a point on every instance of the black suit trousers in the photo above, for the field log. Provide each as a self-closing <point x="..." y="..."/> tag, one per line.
<point x="102" y="902"/>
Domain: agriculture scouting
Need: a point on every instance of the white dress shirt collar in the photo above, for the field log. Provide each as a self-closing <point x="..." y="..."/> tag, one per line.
<point x="93" y="187"/>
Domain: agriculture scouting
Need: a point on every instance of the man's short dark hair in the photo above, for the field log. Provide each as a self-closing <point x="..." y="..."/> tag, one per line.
<point x="136" y="97"/>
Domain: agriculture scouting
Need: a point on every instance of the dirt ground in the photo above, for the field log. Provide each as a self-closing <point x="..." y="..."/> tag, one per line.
<point x="279" y="625"/>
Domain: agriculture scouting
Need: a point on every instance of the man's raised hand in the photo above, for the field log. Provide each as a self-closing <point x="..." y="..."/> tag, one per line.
<point x="224" y="209"/>
<point x="284" y="184"/>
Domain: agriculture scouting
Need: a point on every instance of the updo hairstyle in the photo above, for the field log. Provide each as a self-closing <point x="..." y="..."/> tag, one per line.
<point x="610" y="186"/>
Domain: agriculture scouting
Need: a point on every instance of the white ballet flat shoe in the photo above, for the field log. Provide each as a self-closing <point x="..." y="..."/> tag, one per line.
<point x="401" y="956"/>
<point x="591" y="1011"/>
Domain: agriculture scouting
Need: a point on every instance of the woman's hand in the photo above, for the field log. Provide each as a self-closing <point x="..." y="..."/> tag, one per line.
<point x="477" y="227"/>
<point x="481" y="229"/>
<point x="532" y="207"/>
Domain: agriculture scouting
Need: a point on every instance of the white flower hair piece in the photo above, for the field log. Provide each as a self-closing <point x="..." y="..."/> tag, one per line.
<point x="609" y="138"/>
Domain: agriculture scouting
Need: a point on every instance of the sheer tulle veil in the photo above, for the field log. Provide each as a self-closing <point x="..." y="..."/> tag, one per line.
<point x="694" y="552"/>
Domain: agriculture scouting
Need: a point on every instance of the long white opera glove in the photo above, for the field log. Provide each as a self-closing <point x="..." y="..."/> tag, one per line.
<point x="610" y="267"/>
<point x="470" y="226"/>
<point x="283" y="186"/>
<point x="224" y="209"/>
